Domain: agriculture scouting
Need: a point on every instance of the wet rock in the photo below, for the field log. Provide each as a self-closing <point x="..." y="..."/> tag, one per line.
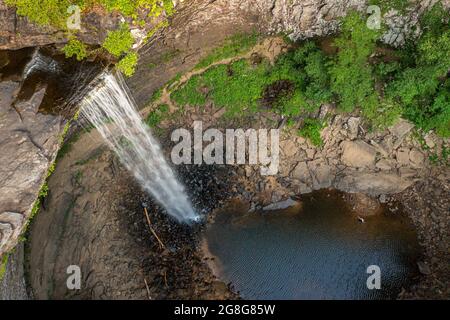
<point x="363" y="205"/>
<point x="424" y="268"/>
<point x="281" y="205"/>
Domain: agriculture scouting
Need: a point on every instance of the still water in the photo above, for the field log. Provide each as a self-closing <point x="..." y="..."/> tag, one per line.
<point x="318" y="251"/>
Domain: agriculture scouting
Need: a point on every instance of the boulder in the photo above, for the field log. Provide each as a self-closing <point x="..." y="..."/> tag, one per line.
<point x="301" y="173"/>
<point x="280" y="205"/>
<point x="417" y="158"/>
<point x="353" y="127"/>
<point x="401" y="128"/>
<point x="321" y="174"/>
<point x="358" y="154"/>
<point x="373" y="184"/>
<point x="403" y="157"/>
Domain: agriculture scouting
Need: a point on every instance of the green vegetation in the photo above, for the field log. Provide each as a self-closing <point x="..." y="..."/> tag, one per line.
<point x="386" y="5"/>
<point x="422" y="85"/>
<point x="351" y="74"/>
<point x="383" y="83"/>
<point x="234" y="45"/>
<point x="44" y="12"/>
<point x="3" y="264"/>
<point x="119" y="41"/>
<point x="155" y="117"/>
<point x="75" y="48"/>
<point x="128" y="64"/>
<point x="311" y="130"/>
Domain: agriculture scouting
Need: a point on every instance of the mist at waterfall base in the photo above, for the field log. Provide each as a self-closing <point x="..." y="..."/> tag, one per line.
<point x="111" y="110"/>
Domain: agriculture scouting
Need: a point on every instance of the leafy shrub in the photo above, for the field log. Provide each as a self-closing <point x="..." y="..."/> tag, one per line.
<point x="43" y="12"/>
<point x="311" y="130"/>
<point x="127" y="64"/>
<point x="75" y="48"/>
<point x="422" y="86"/>
<point x="119" y="41"/>
<point x="351" y="74"/>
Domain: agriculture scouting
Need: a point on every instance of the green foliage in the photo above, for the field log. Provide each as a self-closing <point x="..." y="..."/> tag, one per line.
<point x="157" y="115"/>
<point x="189" y="93"/>
<point x="75" y="48"/>
<point x="422" y="87"/>
<point x="307" y="68"/>
<point x="235" y="45"/>
<point x="351" y="73"/>
<point x="386" y="5"/>
<point x="156" y="95"/>
<point x="127" y="65"/>
<point x="43" y="12"/>
<point x="236" y="87"/>
<point x="119" y="41"/>
<point x="3" y="264"/>
<point x="311" y="130"/>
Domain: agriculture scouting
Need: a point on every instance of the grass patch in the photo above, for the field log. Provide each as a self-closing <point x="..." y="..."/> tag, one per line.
<point x="311" y="130"/>
<point x="156" y="116"/>
<point x="3" y="264"/>
<point x="234" y="45"/>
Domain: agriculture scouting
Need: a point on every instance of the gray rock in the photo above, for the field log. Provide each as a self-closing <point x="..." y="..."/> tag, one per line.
<point x="353" y="127"/>
<point x="321" y="174"/>
<point x="358" y="154"/>
<point x="417" y="158"/>
<point x="29" y="144"/>
<point x="373" y="184"/>
<point x="385" y="165"/>
<point x="280" y="205"/>
<point x="301" y="172"/>
<point x="403" y="157"/>
<point x="401" y="128"/>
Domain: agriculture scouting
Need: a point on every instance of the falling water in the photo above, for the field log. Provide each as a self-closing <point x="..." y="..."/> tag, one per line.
<point x="110" y="108"/>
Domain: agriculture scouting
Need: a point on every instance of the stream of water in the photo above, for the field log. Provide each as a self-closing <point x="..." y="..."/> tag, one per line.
<point x="110" y="108"/>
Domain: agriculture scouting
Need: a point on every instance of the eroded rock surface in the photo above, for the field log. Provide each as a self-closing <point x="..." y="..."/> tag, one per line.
<point x="29" y="142"/>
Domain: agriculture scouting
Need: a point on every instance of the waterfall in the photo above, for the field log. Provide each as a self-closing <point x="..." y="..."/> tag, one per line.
<point x="110" y="108"/>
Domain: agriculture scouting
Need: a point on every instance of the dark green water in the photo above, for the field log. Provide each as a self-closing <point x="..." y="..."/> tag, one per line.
<point x="320" y="251"/>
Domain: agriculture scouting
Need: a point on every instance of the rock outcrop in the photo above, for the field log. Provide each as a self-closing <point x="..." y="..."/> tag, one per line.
<point x="29" y="142"/>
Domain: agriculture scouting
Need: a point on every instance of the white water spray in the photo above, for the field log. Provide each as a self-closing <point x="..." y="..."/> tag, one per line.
<point x="110" y="108"/>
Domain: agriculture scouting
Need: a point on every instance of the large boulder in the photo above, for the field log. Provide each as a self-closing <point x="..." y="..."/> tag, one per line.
<point x="371" y="183"/>
<point x="358" y="154"/>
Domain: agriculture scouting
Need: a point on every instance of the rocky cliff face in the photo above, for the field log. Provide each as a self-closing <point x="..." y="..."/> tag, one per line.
<point x="33" y="89"/>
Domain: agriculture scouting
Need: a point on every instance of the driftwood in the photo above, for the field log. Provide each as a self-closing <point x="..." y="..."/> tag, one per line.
<point x="161" y="244"/>
<point x="148" y="289"/>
